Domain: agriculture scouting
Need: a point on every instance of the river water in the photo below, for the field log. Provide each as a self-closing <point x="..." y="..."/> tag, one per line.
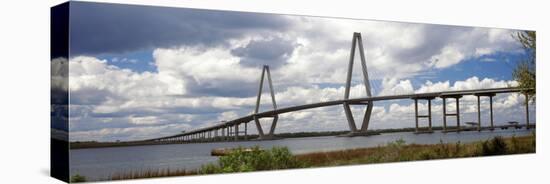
<point x="101" y="163"/>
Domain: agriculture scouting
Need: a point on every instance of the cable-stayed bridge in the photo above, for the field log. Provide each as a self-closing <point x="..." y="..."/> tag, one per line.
<point x="229" y="130"/>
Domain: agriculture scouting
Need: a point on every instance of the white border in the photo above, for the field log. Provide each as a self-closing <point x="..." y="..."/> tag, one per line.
<point x="24" y="96"/>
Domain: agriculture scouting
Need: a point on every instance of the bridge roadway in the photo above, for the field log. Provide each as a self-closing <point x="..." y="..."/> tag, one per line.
<point x="363" y="100"/>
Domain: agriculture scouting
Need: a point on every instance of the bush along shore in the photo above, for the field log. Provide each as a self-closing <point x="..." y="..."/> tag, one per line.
<point x="276" y="158"/>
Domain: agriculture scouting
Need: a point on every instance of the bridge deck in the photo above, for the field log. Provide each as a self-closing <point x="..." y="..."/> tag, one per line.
<point x="271" y="113"/>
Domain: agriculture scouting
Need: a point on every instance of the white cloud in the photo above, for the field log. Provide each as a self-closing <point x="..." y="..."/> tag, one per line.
<point x="394" y="87"/>
<point x="483" y="51"/>
<point x="89" y="72"/>
<point x="393" y="50"/>
<point x="131" y="133"/>
<point x="449" y="56"/>
<point x="470" y="83"/>
<point x="59" y="70"/>
<point x="228" y="115"/>
<point x="429" y="86"/>
<point x="488" y="60"/>
<point x="202" y="65"/>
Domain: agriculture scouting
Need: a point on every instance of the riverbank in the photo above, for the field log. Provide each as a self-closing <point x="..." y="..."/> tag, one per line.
<point x="399" y="150"/>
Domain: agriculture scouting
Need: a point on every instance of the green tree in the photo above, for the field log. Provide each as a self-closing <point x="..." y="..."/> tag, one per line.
<point x="525" y="72"/>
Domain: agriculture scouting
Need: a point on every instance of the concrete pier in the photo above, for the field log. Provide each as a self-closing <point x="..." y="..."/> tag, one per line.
<point x="428" y="116"/>
<point x="490" y="95"/>
<point x="246" y="131"/>
<point x="236" y="132"/>
<point x="261" y="133"/>
<point x="357" y="41"/>
<point x="456" y="114"/>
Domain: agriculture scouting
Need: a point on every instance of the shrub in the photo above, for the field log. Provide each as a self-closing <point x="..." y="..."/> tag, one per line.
<point x="457" y="150"/>
<point x="255" y="160"/>
<point x="495" y="146"/>
<point x="442" y="150"/>
<point x="397" y="143"/>
<point x="78" y="178"/>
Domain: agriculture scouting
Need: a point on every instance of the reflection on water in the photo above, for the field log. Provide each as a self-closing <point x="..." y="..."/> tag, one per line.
<point x="101" y="163"/>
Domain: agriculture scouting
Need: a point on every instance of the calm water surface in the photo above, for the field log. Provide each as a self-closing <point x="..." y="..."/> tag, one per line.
<point x="101" y="163"/>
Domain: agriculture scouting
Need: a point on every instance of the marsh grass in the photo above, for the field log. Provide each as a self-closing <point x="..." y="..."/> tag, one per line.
<point x="399" y="151"/>
<point x="153" y="174"/>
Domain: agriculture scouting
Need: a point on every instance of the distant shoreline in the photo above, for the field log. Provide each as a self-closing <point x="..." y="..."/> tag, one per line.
<point x="94" y="144"/>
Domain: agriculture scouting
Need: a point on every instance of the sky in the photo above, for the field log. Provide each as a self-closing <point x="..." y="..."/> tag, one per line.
<point x="139" y="72"/>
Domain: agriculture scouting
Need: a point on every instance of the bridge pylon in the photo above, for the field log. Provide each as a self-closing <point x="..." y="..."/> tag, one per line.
<point x="357" y="41"/>
<point x="261" y="133"/>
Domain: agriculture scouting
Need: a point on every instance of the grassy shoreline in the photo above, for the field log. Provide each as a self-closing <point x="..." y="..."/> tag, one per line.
<point x="396" y="151"/>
